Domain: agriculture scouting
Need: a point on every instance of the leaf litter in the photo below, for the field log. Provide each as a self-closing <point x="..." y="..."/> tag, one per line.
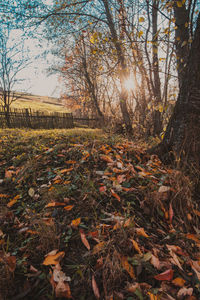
<point x="124" y="226"/>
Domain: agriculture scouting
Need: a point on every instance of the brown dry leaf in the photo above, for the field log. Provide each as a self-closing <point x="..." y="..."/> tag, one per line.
<point x="76" y="222"/>
<point x="97" y="248"/>
<point x="62" y="290"/>
<point x="131" y="288"/>
<point x="194" y="238"/>
<point x="135" y="245"/>
<point x="171" y="213"/>
<point x="178" y="281"/>
<point x="127" y="266"/>
<point x="11" y="261"/>
<point x="53" y="259"/>
<point x="155" y="262"/>
<point x="95" y="288"/>
<point x="174" y="260"/>
<point x="54" y="204"/>
<point x="68" y="207"/>
<point x="70" y="162"/>
<point x="184" y="292"/>
<point x="140" y="231"/>
<point x="196" y="268"/>
<point x="84" y="240"/>
<point x="163" y="189"/>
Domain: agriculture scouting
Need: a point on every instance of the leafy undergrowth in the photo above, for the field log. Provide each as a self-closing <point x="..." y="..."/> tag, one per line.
<point x="89" y="216"/>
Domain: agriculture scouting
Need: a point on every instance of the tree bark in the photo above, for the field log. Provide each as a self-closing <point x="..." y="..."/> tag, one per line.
<point x="182" y="137"/>
<point x="123" y="66"/>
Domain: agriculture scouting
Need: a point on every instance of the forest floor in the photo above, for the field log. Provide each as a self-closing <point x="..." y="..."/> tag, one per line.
<point x="85" y="215"/>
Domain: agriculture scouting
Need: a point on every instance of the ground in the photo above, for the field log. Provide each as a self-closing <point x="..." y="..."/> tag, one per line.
<point x="85" y="215"/>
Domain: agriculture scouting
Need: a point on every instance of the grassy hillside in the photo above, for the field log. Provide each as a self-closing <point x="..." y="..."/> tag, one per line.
<point x="39" y="103"/>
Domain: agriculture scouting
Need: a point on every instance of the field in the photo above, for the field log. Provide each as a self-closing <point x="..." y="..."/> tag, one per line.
<point x="38" y="103"/>
<point x="85" y="215"/>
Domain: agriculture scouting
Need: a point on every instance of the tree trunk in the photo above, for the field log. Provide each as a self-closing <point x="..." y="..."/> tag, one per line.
<point x="182" y="137"/>
<point x="157" y="123"/>
<point x="123" y="66"/>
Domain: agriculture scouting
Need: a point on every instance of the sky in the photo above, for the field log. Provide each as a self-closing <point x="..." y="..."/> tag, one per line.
<point x="36" y="79"/>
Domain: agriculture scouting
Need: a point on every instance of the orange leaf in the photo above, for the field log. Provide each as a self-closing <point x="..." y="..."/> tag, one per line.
<point x="140" y="231"/>
<point x="193" y="237"/>
<point x="167" y="275"/>
<point x="127" y="266"/>
<point x="106" y="158"/>
<point x="76" y="222"/>
<point x="4" y="196"/>
<point x="53" y="258"/>
<point x="153" y="297"/>
<point x="9" y="174"/>
<point x="84" y="240"/>
<point x="53" y="204"/>
<point x="11" y="203"/>
<point x="70" y="162"/>
<point x="197" y="212"/>
<point x="68" y="207"/>
<point x="95" y="288"/>
<point x="178" y="281"/>
<point x="66" y="170"/>
<point x="97" y="248"/>
<point x="135" y="245"/>
<point x="115" y="195"/>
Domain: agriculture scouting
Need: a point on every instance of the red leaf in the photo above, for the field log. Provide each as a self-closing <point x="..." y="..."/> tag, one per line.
<point x="167" y="275"/>
<point x="95" y="288"/>
<point x="171" y="213"/>
<point x="102" y="189"/>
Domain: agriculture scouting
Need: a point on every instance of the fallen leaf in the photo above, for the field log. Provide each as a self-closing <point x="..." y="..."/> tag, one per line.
<point x="135" y="245"/>
<point x="163" y="189"/>
<point x="70" y="162"/>
<point x="84" y="240"/>
<point x="184" y="291"/>
<point x="53" y="259"/>
<point x="106" y="158"/>
<point x="97" y="248"/>
<point x="31" y="192"/>
<point x="140" y="231"/>
<point x="9" y="174"/>
<point x="131" y="288"/>
<point x="54" y="204"/>
<point x="174" y="258"/>
<point x="95" y="288"/>
<point x="171" y="213"/>
<point x="66" y="170"/>
<point x="167" y="275"/>
<point x="178" y="281"/>
<point x="76" y="222"/>
<point x="102" y="189"/>
<point x="153" y="297"/>
<point x="11" y="262"/>
<point x="4" y="196"/>
<point x="127" y="266"/>
<point x="115" y="195"/>
<point x="68" y="207"/>
<point x="155" y="261"/>
<point x="11" y="203"/>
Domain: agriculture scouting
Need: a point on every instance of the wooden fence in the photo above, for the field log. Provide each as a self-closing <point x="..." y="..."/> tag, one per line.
<point x="23" y="118"/>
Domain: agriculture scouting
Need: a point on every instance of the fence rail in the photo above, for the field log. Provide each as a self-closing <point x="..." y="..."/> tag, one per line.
<point x="20" y="118"/>
<point x="26" y="118"/>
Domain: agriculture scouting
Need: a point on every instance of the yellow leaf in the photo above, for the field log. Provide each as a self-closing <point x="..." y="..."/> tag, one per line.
<point x="140" y="33"/>
<point x="53" y="258"/>
<point x="184" y="43"/>
<point x="152" y="296"/>
<point x="179" y="3"/>
<point x="127" y="266"/>
<point x="76" y="222"/>
<point x="178" y="281"/>
<point x="141" y="19"/>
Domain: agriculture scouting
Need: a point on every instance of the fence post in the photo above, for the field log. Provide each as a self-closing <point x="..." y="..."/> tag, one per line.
<point x="28" y="121"/>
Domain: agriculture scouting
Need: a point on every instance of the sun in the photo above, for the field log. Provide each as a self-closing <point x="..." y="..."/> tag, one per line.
<point x="129" y="84"/>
